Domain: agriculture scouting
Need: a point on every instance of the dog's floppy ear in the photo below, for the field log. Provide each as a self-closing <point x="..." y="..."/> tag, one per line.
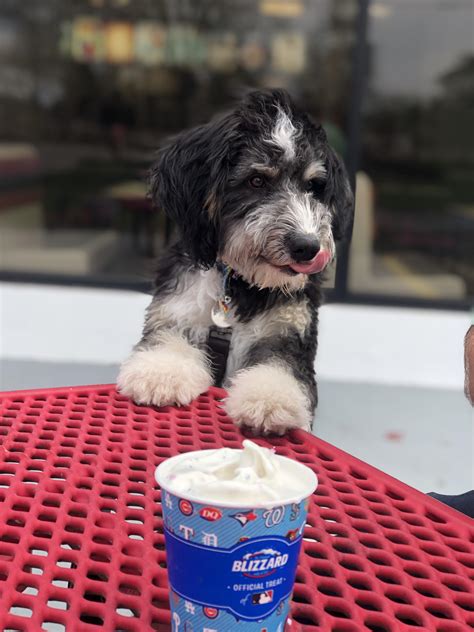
<point x="178" y="185"/>
<point x="339" y="195"/>
<point x="186" y="182"/>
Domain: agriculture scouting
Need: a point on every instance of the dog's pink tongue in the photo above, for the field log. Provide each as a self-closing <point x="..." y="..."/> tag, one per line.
<point x="317" y="264"/>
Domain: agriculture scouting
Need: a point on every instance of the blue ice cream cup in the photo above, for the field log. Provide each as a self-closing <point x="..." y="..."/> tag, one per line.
<point x="232" y="565"/>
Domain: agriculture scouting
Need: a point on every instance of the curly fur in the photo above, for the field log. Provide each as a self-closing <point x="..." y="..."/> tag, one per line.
<point x="261" y="190"/>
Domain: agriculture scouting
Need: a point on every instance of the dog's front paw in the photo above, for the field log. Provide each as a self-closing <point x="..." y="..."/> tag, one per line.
<point x="268" y="399"/>
<point x="170" y="373"/>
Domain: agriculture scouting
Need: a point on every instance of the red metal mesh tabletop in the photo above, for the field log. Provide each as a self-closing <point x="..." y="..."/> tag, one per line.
<point x="81" y="542"/>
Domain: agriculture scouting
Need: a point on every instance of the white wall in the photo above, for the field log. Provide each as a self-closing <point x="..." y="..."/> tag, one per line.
<point x="357" y="343"/>
<point x="393" y="345"/>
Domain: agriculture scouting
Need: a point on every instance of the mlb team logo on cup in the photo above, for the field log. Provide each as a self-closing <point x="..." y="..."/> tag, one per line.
<point x="246" y="581"/>
<point x="211" y="613"/>
<point x="186" y="507"/>
<point x="232" y="565"/>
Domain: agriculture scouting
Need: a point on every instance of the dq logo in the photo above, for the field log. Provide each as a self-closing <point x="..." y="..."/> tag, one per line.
<point x="274" y="516"/>
<point x="210" y="513"/>
<point x="186" y="507"/>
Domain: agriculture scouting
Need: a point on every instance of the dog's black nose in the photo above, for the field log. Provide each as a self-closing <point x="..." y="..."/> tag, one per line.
<point x="303" y="247"/>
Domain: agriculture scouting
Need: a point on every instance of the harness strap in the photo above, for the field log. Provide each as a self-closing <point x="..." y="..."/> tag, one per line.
<point x="218" y="344"/>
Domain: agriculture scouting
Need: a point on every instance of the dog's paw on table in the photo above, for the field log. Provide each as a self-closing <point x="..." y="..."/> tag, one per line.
<point x="267" y="399"/>
<point x="164" y="376"/>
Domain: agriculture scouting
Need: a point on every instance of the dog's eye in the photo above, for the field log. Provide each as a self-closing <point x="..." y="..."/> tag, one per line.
<point x="257" y="182"/>
<point x="316" y="187"/>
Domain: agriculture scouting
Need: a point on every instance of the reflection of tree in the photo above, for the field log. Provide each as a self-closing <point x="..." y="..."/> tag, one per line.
<point x="393" y="128"/>
<point x="458" y="83"/>
<point x="435" y="131"/>
<point x="449" y="115"/>
<point x="325" y="84"/>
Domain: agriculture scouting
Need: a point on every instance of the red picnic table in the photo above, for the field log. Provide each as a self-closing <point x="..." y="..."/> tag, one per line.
<point x="82" y="545"/>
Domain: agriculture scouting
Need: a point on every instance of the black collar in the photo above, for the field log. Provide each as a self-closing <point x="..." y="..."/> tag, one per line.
<point x="218" y="342"/>
<point x="218" y="345"/>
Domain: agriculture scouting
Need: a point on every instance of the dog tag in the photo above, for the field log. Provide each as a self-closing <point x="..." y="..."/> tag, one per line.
<point x="219" y="318"/>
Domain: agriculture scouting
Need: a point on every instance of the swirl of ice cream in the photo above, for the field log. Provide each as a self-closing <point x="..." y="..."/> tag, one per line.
<point x="252" y="476"/>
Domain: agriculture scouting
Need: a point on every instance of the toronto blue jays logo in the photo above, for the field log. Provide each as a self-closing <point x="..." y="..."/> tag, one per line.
<point x="244" y="517"/>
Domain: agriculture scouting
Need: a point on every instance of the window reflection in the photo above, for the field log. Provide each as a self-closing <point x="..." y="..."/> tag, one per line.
<point x="89" y="89"/>
<point x="414" y="229"/>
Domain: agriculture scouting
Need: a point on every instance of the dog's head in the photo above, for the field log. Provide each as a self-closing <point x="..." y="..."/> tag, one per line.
<point x="258" y="188"/>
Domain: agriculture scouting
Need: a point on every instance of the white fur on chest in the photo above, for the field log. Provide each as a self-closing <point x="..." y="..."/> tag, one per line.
<point x="278" y="321"/>
<point x="189" y="309"/>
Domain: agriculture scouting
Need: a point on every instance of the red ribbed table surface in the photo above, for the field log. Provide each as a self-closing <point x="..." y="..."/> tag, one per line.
<point x="82" y="546"/>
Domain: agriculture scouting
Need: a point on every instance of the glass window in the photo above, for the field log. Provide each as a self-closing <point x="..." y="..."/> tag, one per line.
<point x="414" y="228"/>
<point x="89" y="89"/>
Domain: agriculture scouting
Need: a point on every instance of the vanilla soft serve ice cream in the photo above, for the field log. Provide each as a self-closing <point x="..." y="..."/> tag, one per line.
<point x="252" y="476"/>
<point x="233" y="522"/>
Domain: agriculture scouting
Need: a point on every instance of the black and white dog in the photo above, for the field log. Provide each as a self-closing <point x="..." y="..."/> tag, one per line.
<point x="259" y="198"/>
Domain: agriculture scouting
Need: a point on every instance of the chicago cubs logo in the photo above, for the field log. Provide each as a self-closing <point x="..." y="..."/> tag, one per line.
<point x="211" y="613"/>
<point x="260" y="564"/>
<point x="185" y="507"/>
<point x="211" y="514"/>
